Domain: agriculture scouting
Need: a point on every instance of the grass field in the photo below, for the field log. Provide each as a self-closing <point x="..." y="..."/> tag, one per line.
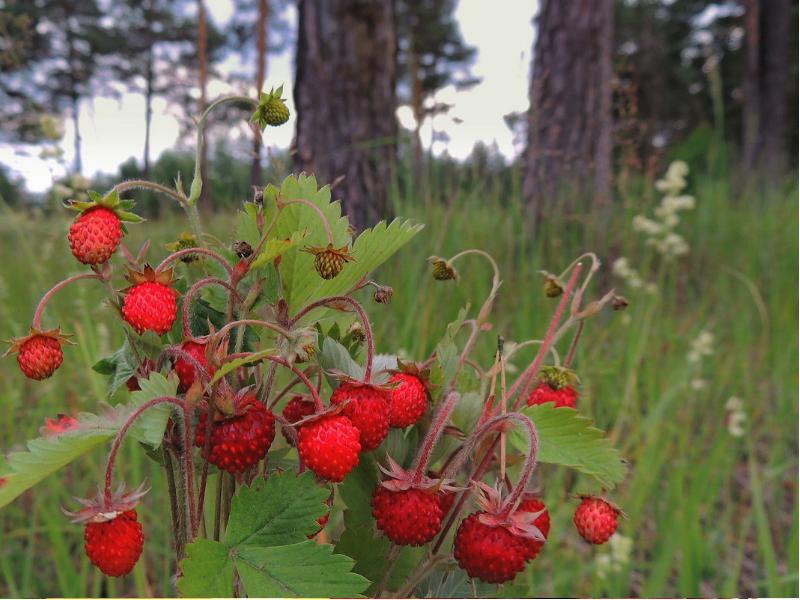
<point x="709" y="513"/>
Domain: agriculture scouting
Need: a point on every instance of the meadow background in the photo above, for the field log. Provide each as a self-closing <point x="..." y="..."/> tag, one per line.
<point x="696" y="382"/>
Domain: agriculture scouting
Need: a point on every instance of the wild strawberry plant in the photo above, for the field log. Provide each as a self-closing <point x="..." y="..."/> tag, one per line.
<point x="298" y="462"/>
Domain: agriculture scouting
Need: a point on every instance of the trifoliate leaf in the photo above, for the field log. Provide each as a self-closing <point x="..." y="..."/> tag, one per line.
<point x="569" y="439"/>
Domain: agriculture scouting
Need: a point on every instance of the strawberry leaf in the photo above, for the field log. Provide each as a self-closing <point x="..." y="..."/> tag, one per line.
<point x="207" y="571"/>
<point x="569" y="439"/>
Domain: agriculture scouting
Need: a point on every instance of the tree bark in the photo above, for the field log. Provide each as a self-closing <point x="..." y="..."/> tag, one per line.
<point x="202" y="59"/>
<point x="345" y="98"/>
<point x="764" y="124"/>
<point x="148" y="112"/>
<point x="261" y="71"/>
<point x="570" y="124"/>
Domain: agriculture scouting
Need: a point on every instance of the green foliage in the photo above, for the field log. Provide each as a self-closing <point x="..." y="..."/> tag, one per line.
<point x="266" y="544"/>
<point x="569" y="439"/>
<point x="45" y="455"/>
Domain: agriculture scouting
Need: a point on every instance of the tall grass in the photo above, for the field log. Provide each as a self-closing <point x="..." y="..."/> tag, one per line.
<point x="708" y="513"/>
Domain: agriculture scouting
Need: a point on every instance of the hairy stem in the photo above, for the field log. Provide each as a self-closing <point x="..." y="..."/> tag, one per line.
<point x="281" y="361"/>
<point x="37" y="315"/>
<point x="316" y="209"/>
<point x="192" y="292"/>
<point x="440" y="419"/>
<point x="189" y="251"/>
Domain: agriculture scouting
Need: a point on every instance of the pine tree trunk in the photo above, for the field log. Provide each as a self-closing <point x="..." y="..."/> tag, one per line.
<point x="570" y="121"/>
<point x="261" y="71"/>
<point x="765" y="84"/>
<point x="202" y="59"/>
<point x="148" y="112"/>
<point x="345" y="98"/>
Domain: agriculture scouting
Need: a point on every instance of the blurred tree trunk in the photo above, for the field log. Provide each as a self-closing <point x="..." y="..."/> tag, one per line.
<point x="261" y="71"/>
<point x="202" y="59"/>
<point x="419" y="115"/>
<point x="345" y="98"/>
<point x="570" y="120"/>
<point x="148" y="110"/>
<point x="765" y="84"/>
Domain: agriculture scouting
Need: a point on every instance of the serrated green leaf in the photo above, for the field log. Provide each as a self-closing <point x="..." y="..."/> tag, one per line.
<point x="207" y="571"/>
<point x="280" y="510"/>
<point x="120" y="366"/>
<point x="240" y="362"/>
<point x="569" y="439"/>
<point x="275" y="247"/>
<point x="247" y="225"/>
<point x="46" y="455"/>
<point x="334" y="356"/>
<point x="300" y="570"/>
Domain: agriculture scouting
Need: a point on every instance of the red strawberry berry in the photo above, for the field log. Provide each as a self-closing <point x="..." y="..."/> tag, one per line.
<point x="240" y="441"/>
<point x="95" y="235"/>
<point x="368" y="410"/>
<point x="446" y="500"/>
<point x="329" y="446"/>
<point x="297" y="408"/>
<point x="150" y="304"/>
<point x="542" y="522"/>
<point x="409" y="517"/>
<point x="596" y="519"/>
<point x="186" y="369"/>
<point x="407" y="401"/>
<point x="492" y="554"/>
<point x="565" y="396"/>
<point x="39" y="356"/>
<point x="114" y="546"/>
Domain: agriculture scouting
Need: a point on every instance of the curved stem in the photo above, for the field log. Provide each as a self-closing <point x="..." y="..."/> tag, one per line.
<point x="107" y="497"/>
<point x="37" y="315"/>
<point x="286" y="390"/>
<point x="574" y="345"/>
<point x="434" y="433"/>
<point x="186" y="251"/>
<point x="521" y="345"/>
<point x="486" y="255"/>
<point x="528" y="466"/>
<point x="274" y="326"/>
<point x="277" y="359"/>
<point x="364" y="321"/>
<point x="190" y="294"/>
<point x="320" y="214"/>
<point x="529" y="374"/>
<point x="143" y="184"/>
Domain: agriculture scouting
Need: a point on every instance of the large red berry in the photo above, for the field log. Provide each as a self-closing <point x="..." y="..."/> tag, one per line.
<point x="596" y="519"/>
<point x="150" y="306"/>
<point x="407" y="401"/>
<point x="368" y="410"/>
<point x="329" y="446"/>
<point x="296" y="409"/>
<point x="409" y="517"/>
<point x="186" y="369"/>
<point x="492" y="554"/>
<point x="565" y="396"/>
<point x="240" y="441"/>
<point x="114" y="546"/>
<point x="95" y="235"/>
<point x="39" y="357"/>
<point x="542" y="522"/>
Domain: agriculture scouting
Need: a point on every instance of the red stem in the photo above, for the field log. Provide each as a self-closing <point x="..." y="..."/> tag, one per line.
<point x="187" y="300"/>
<point x="277" y="359"/>
<point x="187" y="251"/>
<point x="529" y="375"/>
<point x="440" y="419"/>
<point x="37" y="315"/>
<point x="256" y="322"/>
<point x="121" y="434"/>
<point x="361" y="315"/>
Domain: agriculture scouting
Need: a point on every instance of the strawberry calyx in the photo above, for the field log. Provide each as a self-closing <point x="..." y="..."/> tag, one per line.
<point x="400" y="479"/>
<point x="111" y="201"/>
<point x="55" y="334"/>
<point x="496" y="514"/>
<point x="97" y="510"/>
<point x="149" y="275"/>
<point x="559" y="377"/>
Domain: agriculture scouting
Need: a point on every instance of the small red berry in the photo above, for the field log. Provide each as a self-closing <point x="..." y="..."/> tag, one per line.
<point x="596" y="519"/>
<point x="542" y="522"/>
<point x="240" y="441"/>
<point x="114" y="546"/>
<point x="407" y="401"/>
<point x="368" y="410"/>
<point x="492" y="554"/>
<point x="565" y="396"/>
<point x="446" y="500"/>
<point x="409" y="517"/>
<point x="296" y="409"/>
<point x="39" y="357"/>
<point x="95" y="235"/>
<point x="186" y="369"/>
<point x="150" y="307"/>
<point x="329" y="446"/>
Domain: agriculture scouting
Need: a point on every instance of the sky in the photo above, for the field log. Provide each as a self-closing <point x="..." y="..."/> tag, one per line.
<point x="113" y="129"/>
